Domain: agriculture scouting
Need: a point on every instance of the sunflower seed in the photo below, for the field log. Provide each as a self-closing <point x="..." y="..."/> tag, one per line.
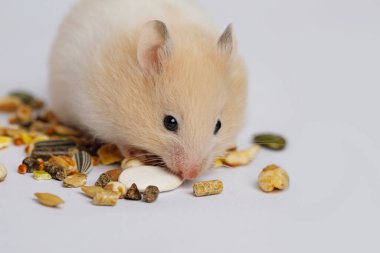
<point x="83" y="161"/>
<point x="44" y="149"/>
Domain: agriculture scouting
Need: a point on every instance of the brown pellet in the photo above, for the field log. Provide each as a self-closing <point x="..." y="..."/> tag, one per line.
<point x="103" y="180"/>
<point x="151" y="194"/>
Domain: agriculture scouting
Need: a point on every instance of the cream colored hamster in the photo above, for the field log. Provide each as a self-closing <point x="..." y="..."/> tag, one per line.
<point x="152" y="75"/>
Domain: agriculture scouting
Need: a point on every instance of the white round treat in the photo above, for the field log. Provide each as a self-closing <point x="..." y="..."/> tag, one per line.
<point x="144" y="176"/>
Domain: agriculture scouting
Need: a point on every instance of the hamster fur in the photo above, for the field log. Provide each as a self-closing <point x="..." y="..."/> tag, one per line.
<point x="119" y="67"/>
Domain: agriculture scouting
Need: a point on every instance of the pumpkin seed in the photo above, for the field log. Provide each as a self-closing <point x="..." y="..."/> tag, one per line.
<point x="48" y="199"/>
<point x="270" y="141"/>
<point x="83" y="161"/>
<point x="25" y="97"/>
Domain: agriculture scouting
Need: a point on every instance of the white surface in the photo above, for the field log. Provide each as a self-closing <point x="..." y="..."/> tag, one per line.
<point x="144" y="176"/>
<point x="314" y="68"/>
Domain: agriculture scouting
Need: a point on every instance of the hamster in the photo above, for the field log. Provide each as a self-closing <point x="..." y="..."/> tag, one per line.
<point x="151" y="75"/>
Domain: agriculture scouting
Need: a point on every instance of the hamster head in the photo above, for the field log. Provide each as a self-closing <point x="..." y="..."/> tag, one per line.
<point x="182" y="98"/>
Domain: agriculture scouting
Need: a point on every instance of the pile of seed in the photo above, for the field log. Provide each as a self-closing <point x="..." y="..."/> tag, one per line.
<point x="55" y="151"/>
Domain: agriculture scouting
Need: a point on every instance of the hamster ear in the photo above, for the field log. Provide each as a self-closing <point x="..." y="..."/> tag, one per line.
<point x="153" y="46"/>
<point x="226" y="42"/>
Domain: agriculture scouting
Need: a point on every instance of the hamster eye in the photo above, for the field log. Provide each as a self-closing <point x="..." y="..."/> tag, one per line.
<point x="171" y="123"/>
<point x="217" y="127"/>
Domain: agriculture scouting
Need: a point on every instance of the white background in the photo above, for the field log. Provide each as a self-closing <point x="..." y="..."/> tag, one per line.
<point x="314" y="77"/>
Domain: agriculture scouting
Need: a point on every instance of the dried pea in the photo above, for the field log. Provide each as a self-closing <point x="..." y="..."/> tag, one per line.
<point x="22" y="169"/>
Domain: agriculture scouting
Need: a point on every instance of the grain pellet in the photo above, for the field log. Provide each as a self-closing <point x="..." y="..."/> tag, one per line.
<point x="151" y="194"/>
<point x="208" y="188"/>
<point x="133" y="193"/>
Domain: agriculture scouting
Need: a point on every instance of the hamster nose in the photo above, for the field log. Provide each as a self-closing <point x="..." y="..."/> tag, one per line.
<point x="193" y="173"/>
<point x="190" y="173"/>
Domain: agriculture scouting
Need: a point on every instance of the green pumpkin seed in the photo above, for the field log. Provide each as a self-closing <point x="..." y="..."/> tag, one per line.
<point x="25" y="97"/>
<point x="270" y="141"/>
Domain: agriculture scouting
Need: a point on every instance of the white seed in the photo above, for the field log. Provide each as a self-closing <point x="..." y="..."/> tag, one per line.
<point x="3" y="172"/>
<point x="145" y="176"/>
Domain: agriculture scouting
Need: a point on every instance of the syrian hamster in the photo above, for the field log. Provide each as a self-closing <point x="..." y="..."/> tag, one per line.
<point x="152" y="75"/>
